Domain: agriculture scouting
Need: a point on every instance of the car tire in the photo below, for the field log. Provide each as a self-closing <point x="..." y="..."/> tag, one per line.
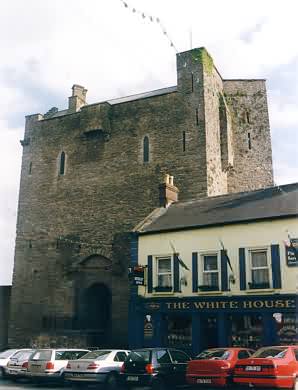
<point x="2" y="373"/>
<point x="111" y="382"/>
<point x="158" y="384"/>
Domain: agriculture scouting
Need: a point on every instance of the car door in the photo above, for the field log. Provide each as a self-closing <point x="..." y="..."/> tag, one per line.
<point x="180" y="360"/>
<point x="164" y="365"/>
<point x="119" y="359"/>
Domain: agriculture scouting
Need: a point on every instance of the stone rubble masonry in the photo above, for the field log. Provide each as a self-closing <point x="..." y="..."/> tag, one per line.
<point x="107" y="188"/>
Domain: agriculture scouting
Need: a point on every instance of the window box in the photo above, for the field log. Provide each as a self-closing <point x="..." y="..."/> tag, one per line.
<point x="254" y="286"/>
<point x="208" y="288"/>
<point x="163" y="289"/>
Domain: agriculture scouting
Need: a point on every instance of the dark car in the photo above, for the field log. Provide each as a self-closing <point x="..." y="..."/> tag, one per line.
<point x="158" y="368"/>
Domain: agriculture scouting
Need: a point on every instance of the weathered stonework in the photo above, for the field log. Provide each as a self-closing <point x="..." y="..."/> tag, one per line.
<point x="73" y="228"/>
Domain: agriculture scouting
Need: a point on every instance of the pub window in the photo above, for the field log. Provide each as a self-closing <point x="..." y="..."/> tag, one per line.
<point x="210" y="273"/>
<point x="164" y="274"/>
<point x="209" y="280"/>
<point x="146" y="149"/>
<point x="259" y="269"/>
<point x="62" y="164"/>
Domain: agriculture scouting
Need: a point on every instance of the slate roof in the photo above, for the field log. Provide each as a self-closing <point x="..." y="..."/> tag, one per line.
<point x="269" y="203"/>
<point x="143" y="95"/>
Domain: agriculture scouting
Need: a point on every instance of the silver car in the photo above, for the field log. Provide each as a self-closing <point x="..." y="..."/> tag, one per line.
<point x="50" y="363"/>
<point x="17" y="366"/>
<point x="100" y="366"/>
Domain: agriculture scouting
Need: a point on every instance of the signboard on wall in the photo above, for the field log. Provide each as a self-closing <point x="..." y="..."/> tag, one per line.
<point x="137" y="275"/>
<point x="292" y="253"/>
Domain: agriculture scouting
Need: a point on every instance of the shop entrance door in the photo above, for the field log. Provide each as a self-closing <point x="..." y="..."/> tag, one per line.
<point x="209" y="334"/>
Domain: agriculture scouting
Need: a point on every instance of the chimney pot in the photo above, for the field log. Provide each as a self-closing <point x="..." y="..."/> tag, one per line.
<point x="77" y="99"/>
<point x="168" y="193"/>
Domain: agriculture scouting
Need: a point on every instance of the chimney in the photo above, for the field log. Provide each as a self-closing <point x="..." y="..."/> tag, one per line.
<point x="78" y="98"/>
<point x="168" y="193"/>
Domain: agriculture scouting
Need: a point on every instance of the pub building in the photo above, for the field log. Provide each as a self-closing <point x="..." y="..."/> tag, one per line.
<point x="216" y="272"/>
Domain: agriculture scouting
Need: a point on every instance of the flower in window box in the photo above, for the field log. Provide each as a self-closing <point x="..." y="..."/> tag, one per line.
<point x="208" y="288"/>
<point x="163" y="289"/>
<point x="259" y="285"/>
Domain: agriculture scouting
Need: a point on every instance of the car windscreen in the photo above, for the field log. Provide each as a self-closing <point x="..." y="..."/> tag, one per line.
<point x="273" y="352"/>
<point x="139" y="356"/>
<point x="42" y="355"/>
<point x="214" y="354"/>
<point x="22" y="355"/>
<point x="7" y="353"/>
<point x="96" y="355"/>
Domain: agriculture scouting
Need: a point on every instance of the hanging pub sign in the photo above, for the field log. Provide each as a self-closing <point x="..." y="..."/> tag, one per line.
<point x="136" y="275"/>
<point x="292" y="253"/>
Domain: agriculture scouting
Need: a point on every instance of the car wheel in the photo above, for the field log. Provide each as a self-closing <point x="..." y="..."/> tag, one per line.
<point x="111" y="382"/>
<point x="158" y="384"/>
<point x="2" y="372"/>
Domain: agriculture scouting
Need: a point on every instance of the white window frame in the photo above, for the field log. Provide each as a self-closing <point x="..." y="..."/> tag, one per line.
<point x="156" y="273"/>
<point x="202" y="272"/>
<point x="250" y="268"/>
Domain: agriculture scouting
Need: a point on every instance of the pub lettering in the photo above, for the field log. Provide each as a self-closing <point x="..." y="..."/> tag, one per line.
<point x="247" y="304"/>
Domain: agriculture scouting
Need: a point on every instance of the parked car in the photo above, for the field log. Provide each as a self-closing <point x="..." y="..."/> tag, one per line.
<point x="101" y="366"/>
<point x="4" y="358"/>
<point x="213" y="367"/>
<point x="50" y="363"/>
<point x="272" y="367"/>
<point x="154" y="367"/>
<point x="17" y="366"/>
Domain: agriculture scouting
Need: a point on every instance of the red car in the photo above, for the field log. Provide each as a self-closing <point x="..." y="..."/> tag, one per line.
<point x="214" y="367"/>
<point x="273" y="367"/>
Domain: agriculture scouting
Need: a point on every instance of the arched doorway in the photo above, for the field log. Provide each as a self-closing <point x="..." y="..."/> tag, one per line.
<point x="95" y="313"/>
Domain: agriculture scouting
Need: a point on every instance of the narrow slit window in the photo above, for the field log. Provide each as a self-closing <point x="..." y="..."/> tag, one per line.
<point x="247" y="117"/>
<point x="249" y="141"/>
<point x="183" y="141"/>
<point x="30" y="168"/>
<point x="62" y="164"/>
<point x="192" y="83"/>
<point x="146" y="149"/>
<point x="197" y="116"/>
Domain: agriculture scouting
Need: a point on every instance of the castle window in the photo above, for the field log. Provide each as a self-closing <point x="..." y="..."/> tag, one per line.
<point x="247" y="117"/>
<point x="146" y="149"/>
<point x="30" y="168"/>
<point x="249" y="141"/>
<point x="197" y="116"/>
<point x="192" y="82"/>
<point x="62" y="164"/>
<point x="183" y="141"/>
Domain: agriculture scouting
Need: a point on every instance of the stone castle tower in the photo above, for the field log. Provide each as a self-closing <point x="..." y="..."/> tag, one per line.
<point x="92" y="172"/>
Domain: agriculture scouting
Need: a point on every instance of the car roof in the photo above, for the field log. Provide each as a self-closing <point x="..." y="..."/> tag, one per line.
<point x="62" y="349"/>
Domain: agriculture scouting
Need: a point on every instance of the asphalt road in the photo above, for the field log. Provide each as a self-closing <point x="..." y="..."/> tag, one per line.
<point x="24" y="385"/>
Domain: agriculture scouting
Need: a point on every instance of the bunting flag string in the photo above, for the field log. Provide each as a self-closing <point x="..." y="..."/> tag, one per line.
<point x="151" y="19"/>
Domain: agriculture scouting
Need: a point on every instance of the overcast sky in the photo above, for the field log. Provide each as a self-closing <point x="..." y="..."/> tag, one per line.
<point x="47" y="46"/>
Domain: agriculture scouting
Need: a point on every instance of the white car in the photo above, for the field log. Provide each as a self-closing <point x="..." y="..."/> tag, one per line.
<point x="49" y="364"/>
<point x="100" y="366"/>
<point x="17" y="365"/>
<point x="4" y="358"/>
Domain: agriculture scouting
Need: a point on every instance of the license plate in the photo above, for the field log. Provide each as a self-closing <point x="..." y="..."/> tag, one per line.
<point x="203" y="380"/>
<point x="132" y="378"/>
<point x="253" y="368"/>
<point x="77" y="374"/>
